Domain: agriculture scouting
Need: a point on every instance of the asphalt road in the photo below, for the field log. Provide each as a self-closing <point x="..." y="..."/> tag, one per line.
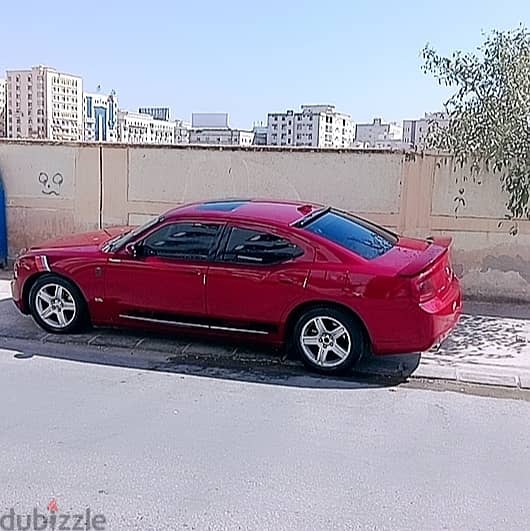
<point x="151" y="449"/>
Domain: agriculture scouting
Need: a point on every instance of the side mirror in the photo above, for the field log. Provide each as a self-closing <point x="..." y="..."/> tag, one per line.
<point x="131" y="250"/>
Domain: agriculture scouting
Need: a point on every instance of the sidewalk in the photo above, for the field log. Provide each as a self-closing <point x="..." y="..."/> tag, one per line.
<point x="482" y="349"/>
<point x="485" y="350"/>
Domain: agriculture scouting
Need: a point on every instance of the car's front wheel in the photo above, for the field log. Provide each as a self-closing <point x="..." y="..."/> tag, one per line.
<point x="57" y="305"/>
<point x="328" y="340"/>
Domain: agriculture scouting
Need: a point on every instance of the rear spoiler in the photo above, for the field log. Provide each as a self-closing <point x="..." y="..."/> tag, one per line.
<point x="439" y="246"/>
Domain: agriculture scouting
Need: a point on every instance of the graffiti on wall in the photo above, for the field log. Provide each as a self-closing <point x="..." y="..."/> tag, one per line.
<point x="51" y="185"/>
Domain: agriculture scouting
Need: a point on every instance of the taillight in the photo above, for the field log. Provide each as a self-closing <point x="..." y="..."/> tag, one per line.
<point x="425" y="289"/>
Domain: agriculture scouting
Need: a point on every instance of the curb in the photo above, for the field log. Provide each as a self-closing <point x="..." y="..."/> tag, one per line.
<point x="479" y="374"/>
<point x="397" y="368"/>
<point x="393" y="369"/>
<point x="416" y="367"/>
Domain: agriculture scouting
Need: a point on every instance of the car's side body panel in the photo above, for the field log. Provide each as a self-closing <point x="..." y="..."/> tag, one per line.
<point x="215" y="295"/>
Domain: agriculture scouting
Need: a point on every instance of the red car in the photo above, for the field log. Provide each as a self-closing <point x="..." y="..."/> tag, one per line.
<point x="329" y="284"/>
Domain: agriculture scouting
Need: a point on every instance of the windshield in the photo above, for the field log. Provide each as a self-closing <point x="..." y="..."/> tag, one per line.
<point x="121" y="240"/>
<point x="357" y="235"/>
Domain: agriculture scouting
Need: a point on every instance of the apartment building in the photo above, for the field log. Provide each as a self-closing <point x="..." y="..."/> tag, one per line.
<point x="260" y="134"/>
<point x="377" y="133"/>
<point x="140" y="128"/>
<point x="158" y="113"/>
<point x="3" y="108"/>
<point x="182" y="132"/>
<point x="100" y="116"/>
<point x="44" y="103"/>
<point x="318" y="126"/>
<point x="213" y="129"/>
<point x="416" y="132"/>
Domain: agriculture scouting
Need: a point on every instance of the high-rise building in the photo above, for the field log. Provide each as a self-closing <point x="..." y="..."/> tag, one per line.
<point x="3" y="108"/>
<point x="315" y="125"/>
<point x="100" y="114"/>
<point x="377" y="134"/>
<point x="44" y="103"/>
<point x="416" y="132"/>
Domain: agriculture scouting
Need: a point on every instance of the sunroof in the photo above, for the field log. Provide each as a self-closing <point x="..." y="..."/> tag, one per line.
<point x="222" y="206"/>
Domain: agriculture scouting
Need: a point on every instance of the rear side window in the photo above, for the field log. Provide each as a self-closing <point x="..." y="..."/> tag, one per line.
<point x="359" y="236"/>
<point x="247" y="246"/>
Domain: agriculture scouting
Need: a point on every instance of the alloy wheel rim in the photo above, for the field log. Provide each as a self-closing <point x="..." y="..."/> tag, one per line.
<point x="325" y="341"/>
<point x="55" y="305"/>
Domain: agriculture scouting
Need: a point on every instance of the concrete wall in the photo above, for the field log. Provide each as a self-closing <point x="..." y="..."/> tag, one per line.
<point x="51" y="190"/>
<point x="55" y="189"/>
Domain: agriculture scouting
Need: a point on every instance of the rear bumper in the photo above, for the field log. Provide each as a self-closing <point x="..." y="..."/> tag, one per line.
<point x="429" y="324"/>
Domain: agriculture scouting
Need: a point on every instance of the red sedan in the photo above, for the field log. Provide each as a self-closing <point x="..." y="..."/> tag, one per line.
<point x="325" y="282"/>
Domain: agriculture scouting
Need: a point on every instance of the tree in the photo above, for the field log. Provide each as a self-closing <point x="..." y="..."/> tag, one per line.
<point x="489" y="112"/>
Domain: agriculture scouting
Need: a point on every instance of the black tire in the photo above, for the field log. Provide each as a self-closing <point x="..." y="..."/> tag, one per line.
<point x="334" y="363"/>
<point x="76" y="319"/>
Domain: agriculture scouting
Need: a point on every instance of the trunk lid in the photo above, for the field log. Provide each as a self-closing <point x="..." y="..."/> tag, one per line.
<point x="436" y="252"/>
<point x="410" y="256"/>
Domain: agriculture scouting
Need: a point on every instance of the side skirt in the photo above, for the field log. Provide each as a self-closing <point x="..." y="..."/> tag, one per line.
<point x="166" y="321"/>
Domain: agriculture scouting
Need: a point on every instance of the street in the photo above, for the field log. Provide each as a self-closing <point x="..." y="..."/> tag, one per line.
<point x="157" y="450"/>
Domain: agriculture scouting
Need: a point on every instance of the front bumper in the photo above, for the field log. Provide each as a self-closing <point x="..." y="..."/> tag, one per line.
<point x="18" y="299"/>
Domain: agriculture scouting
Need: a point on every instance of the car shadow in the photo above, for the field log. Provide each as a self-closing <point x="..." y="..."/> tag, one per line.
<point x="191" y="355"/>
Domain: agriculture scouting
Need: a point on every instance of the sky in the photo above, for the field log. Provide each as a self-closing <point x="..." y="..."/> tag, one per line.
<point x="249" y="58"/>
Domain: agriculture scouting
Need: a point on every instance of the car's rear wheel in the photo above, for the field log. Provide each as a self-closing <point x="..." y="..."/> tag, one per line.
<point x="328" y="340"/>
<point x="57" y="305"/>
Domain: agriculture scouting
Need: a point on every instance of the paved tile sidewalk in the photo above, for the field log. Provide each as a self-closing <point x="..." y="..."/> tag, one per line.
<point x="5" y="290"/>
<point x="484" y="350"/>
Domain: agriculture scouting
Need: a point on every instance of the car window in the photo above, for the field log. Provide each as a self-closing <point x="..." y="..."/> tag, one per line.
<point x="122" y="240"/>
<point x="191" y="241"/>
<point x="249" y="246"/>
<point x="359" y="236"/>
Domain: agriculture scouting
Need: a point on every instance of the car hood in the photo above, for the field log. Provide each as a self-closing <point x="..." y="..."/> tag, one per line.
<point x="84" y="239"/>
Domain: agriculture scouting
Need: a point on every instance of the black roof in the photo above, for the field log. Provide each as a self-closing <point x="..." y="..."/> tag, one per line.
<point x="223" y="205"/>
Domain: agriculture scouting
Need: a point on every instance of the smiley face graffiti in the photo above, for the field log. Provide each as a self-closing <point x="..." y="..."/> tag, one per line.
<point x="51" y="186"/>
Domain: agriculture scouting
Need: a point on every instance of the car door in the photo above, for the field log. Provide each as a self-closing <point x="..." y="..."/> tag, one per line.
<point x="258" y="275"/>
<point x="165" y="279"/>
